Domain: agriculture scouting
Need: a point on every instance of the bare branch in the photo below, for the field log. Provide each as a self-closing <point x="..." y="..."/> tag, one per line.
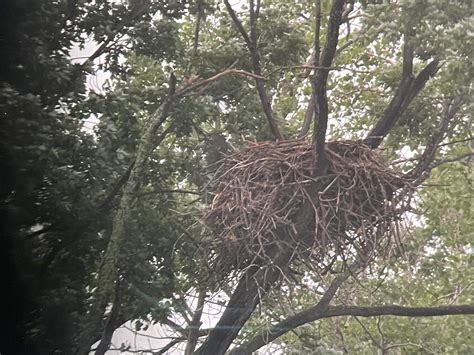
<point x="306" y="67"/>
<point x="188" y="87"/>
<point x="315" y="313"/>
<point x="407" y="90"/>
<point x="170" y="191"/>
<point x="421" y="170"/>
<point x="168" y="346"/>
<point x="319" y="83"/>
<point x="317" y="33"/>
<point x="193" y="332"/>
<point x="135" y="13"/>
<point x="452" y="160"/>
<point x="198" y="27"/>
<point x="308" y="116"/>
<point x="273" y="333"/>
<point x="251" y="42"/>
<point x="369" y="334"/>
<point x="238" y="24"/>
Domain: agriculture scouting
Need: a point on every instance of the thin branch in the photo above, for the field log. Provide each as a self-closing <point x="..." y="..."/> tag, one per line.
<point x="437" y="163"/>
<point x="307" y="66"/>
<point x="308" y="116"/>
<point x="251" y="42"/>
<point x="195" y="324"/>
<point x="404" y="345"/>
<point x="451" y="160"/>
<point x="168" y="346"/>
<point x="198" y="27"/>
<point x="134" y="14"/>
<point x="178" y="191"/>
<point x="176" y="327"/>
<point x="314" y="313"/>
<point x="369" y="334"/>
<point x="456" y="141"/>
<point x="188" y="87"/>
<point x="423" y="167"/>
<point x="106" y="204"/>
<point x="238" y="23"/>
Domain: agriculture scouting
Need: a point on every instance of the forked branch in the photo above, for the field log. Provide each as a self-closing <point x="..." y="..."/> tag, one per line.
<point x="425" y="164"/>
<point x="315" y="313"/>
<point x="273" y="333"/>
<point x="407" y="90"/>
<point x="251" y="42"/>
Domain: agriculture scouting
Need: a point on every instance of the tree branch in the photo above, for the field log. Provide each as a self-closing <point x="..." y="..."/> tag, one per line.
<point x="110" y="324"/>
<point x="193" y="333"/>
<point x="273" y="333"/>
<point x="316" y="313"/>
<point x="241" y="305"/>
<point x="108" y="271"/>
<point x="407" y="90"/>
<point x="135" y="13"/>
<point x="251" y="42"/>
<point x="191" y="86"/>
<point x="200" y="14"/>
<point x="308" y="116"/>
<point x="452" y="160"/>
<point x="423" y="167"/>
<point x="106" y="204"/>
<point x="319" y="83"/>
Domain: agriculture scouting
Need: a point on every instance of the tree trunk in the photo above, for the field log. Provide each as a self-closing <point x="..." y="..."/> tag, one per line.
<point x="109" y="271"/>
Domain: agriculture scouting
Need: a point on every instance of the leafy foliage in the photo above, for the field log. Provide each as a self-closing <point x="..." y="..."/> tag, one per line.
<point x="62" y="184"/>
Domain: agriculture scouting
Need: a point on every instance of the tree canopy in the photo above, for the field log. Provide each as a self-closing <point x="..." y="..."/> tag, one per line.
<point x="306" y="166"/>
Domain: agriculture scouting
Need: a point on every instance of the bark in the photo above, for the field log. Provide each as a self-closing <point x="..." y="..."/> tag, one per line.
<point x="253" y="284"/>
<point x="319" y="83"/>
<point x="317" y="312"/>
<point x="256" y="282"/>
<point x="407" y="90"/>
<point x="193" y="334"/>
<point x="109" y="272"/>
<point x="111" y="325"/>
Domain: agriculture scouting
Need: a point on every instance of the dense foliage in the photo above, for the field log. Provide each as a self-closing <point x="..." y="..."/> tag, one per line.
<point x="101" y="225"/>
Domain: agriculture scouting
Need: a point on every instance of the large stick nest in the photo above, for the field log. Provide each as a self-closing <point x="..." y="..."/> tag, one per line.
<point x="267" y="198"/>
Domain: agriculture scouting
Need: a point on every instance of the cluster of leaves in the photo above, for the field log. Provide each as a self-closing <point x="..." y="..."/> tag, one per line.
<point x="58" y="179"/>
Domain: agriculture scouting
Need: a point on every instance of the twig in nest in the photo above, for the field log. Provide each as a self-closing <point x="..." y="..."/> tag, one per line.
<point x="260" y="191"/>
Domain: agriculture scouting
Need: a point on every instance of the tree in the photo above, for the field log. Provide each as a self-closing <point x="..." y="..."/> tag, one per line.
<point x="188" y="81"/>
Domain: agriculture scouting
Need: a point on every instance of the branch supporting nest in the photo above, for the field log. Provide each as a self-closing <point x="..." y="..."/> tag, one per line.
<point x="266" y="198"/>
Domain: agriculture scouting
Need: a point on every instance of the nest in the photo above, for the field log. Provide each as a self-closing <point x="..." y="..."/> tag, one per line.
<point x="267" y="201"/>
